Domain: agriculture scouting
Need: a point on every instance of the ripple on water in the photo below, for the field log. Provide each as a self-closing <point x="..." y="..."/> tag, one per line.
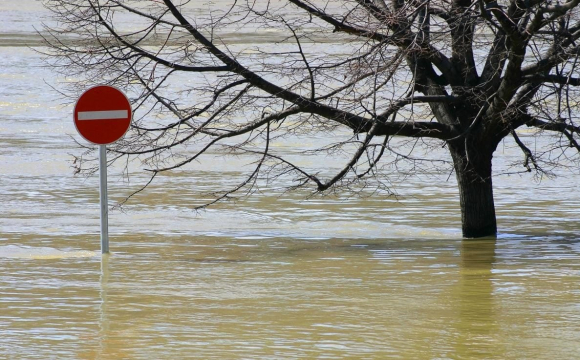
<point x="27" y="252"/>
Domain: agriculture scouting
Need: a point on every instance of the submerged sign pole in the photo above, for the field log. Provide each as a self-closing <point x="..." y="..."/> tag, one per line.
<point x="102" y="115"/>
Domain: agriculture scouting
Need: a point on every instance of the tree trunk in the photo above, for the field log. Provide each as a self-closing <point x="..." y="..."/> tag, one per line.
<point x="473" y="174"/>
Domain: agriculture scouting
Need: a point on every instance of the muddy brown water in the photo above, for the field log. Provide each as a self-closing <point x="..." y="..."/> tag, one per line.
<point x="274" y="276"/>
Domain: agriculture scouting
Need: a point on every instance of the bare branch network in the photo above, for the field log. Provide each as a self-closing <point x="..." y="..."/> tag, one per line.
<point x="458" y="73"/>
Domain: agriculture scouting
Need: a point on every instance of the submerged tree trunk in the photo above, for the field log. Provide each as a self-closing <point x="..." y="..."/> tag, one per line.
<point x="473" y="172"/>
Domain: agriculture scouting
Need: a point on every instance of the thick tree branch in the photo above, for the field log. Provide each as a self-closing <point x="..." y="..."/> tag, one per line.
<point x="560" y="126"/>
<point x="553" y="79"/>
<point x="529" y="156"/>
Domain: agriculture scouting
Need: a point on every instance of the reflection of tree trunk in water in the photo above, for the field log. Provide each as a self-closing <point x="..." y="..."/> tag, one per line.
<point x="477" y="325"/>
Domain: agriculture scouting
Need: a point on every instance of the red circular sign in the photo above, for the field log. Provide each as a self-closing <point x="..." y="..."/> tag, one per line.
<point x="102" y="115"/>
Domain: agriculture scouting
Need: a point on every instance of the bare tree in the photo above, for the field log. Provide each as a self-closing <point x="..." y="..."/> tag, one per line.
<point x="463" y="74"/>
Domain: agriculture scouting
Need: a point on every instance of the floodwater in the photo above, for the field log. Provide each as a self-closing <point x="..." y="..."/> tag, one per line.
<point x="274" y="276"/>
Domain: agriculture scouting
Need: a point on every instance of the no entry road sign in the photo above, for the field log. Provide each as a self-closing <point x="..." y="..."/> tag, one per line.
<point x="102" y="115"/>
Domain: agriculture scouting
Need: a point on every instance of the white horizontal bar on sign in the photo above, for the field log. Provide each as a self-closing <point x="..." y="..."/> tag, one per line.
<point x="103" y="115"/>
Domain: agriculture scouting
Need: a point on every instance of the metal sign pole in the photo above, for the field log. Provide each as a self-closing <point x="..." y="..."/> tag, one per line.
<point x="104" y="199"/>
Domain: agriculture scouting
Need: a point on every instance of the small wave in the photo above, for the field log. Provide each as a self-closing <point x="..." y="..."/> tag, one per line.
<point x="26" y="252"/>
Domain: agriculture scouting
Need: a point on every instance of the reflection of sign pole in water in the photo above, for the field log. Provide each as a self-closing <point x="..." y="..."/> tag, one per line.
<point x="102" y="115"/>
<point x="103" y="309"/>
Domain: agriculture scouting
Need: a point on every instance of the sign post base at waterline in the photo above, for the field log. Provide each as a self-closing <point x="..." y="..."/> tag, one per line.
<point x="102" y="115"/>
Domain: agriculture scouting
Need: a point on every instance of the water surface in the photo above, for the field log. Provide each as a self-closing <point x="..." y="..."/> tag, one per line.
<point x="274" y="276"/>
